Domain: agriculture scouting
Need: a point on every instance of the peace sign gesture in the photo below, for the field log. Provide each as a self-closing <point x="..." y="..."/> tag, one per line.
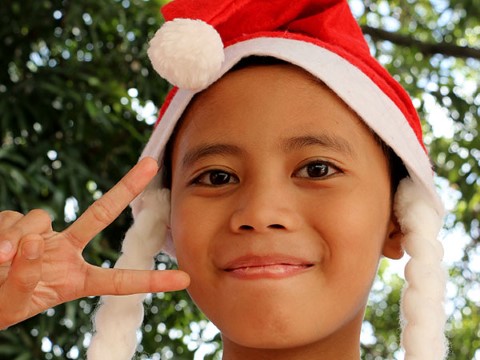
<point x="40" y="268"/>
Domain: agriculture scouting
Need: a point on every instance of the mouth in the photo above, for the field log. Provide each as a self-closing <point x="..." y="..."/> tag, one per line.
<point x="256" y="267"/>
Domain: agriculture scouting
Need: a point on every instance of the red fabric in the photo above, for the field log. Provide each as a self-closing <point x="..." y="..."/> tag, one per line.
<point x="328" y="20"/>
<point x="327" y="23"/>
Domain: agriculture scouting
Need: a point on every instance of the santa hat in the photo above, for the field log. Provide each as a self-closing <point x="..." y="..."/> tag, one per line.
<point x="202" y="40"/>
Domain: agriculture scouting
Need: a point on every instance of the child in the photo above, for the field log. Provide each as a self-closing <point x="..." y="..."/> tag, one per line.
<point x="282" y="145"/>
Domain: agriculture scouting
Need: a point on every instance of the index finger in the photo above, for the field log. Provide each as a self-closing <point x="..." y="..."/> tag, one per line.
<point x="106" y="209"/>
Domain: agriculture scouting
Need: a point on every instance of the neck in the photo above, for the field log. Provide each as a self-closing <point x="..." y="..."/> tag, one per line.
<point x="289" y="354"/>
<point x="343" y="345"/>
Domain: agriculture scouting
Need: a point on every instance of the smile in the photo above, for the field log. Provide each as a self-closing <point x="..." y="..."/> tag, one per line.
<point x="251" y="268"/>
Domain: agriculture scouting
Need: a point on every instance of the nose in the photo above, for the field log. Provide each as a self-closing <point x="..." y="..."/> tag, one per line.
<point x="264" y="206"/>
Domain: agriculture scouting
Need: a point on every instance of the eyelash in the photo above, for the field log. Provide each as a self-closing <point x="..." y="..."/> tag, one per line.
<point x="205" y="178"/>
<point x="325" y="164"/>
<point x="200" y="179"/>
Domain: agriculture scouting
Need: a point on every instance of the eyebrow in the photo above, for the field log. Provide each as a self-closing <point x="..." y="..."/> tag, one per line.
<point x="290" y="144"/>
<point x="205" y="150"/>
<point x="336" y="143"/>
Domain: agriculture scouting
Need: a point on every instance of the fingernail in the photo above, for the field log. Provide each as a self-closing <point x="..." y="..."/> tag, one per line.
<point x="6" y="247"/>
<point x="31" y="250"/>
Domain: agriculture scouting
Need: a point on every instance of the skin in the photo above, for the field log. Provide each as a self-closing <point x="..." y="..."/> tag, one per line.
<point x="281" y="210"/>
<point x="41" y="268"/>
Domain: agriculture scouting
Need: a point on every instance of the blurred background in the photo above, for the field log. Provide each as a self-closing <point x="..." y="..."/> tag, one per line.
<point x="77" y="102"/>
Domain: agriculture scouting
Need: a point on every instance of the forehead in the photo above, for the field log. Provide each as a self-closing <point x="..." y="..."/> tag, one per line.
<point x="269" y="115"/>
<point x="271" y="98"/>
<point x="275" y="79"/>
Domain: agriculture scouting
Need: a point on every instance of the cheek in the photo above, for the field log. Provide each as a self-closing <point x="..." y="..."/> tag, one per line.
<point x="183" y="230"/>
<point x="354" y="226"/>
<point x="193" y="227"/>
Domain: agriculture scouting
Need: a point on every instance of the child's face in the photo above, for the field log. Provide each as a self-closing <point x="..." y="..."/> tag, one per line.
<point x="281" y="208"/>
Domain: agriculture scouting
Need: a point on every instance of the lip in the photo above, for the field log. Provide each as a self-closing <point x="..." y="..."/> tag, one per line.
<point x="266" y="267"/>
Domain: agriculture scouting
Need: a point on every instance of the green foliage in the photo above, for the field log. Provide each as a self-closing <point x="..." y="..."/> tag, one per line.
<point x="445" y="88"/>
<point x="71" y="126"/>
<point x="382" y="315"/>
<point x="76" y="95"/>
<point x="430" y="50"/>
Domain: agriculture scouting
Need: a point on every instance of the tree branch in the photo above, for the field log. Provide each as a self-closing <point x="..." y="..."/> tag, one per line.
<point x="424" y="48"/>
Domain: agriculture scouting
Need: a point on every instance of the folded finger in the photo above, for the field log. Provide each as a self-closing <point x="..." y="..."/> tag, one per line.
<point x="15" y="225"/>
<point x="9" y="218"/>
<point x="23" y="277"/>
<point x="102" y="281"/>
<point x="106" y="209"/>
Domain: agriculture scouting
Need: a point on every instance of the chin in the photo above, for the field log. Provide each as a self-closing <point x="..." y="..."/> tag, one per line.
<point x="263" y="339"/>
<point x="280" y="328"/>
<point x="272" y="329"/>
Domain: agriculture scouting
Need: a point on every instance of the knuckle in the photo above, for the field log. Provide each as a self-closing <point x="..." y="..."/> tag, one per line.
<point x="40" y="215"/>
<point x="10" y="214"/>
<point x="8" y="217"/>
<point x="117" y="281"/>
<point x="102" y="211"/>
<point x="130" y="186"/>
<point x="72" y="237"/>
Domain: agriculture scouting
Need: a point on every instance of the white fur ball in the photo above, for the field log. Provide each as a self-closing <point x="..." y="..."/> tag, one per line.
<point x="188" y="53"/>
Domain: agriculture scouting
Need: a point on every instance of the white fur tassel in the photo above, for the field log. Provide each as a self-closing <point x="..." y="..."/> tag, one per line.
<point x="188" y="53"/>
<point x="119" y="317"/>
<point x="422" y="308"/>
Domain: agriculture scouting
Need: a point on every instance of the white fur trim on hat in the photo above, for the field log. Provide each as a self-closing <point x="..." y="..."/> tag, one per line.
<point x="118" y="317"/>
<point x="355" y="88"/>
<point x="422" y="308"/>
<point x="188" y="53"/>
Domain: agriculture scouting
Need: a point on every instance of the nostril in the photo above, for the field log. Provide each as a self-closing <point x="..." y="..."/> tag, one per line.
<point x="246" y="227"/>
<point x="251" y="228"/>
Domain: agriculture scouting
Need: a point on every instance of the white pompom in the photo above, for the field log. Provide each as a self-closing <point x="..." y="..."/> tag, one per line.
<point x="188" y="53"/>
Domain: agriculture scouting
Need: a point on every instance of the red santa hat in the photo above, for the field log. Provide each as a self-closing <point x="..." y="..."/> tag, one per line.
<point x="202" y="40"/>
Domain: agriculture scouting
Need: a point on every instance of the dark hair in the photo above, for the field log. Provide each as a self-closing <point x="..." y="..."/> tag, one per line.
<point x="397" y="169"/>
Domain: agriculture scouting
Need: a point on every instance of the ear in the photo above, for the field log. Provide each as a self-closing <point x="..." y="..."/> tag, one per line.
<point x="392" y="247"/>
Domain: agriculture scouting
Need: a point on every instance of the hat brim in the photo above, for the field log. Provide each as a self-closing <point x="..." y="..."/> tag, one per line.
<point x="347" y="80"/>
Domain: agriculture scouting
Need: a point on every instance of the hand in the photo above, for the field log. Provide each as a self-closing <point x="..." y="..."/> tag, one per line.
<point x="40" y="268"/>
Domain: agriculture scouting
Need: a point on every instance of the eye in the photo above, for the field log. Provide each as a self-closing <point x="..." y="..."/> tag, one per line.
<point x="316" y="170"/>
<point x="215" y="178"/>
